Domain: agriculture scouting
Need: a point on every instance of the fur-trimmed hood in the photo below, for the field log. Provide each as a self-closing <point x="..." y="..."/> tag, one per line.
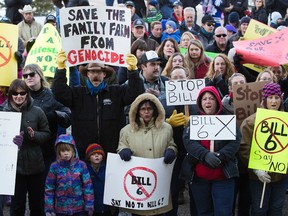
<point x="134" y="107"/>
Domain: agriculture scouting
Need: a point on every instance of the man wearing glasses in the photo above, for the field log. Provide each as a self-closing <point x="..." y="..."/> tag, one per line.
<point x="221" y="43"/>
<point x="206" y="34"/>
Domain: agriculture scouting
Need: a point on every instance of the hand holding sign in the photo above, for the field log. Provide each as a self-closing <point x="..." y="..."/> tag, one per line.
<point x="262" y="176"/>
<point x="131" y="61"/>
<point x="61" y="59"/>
<point x="177" y="119"/>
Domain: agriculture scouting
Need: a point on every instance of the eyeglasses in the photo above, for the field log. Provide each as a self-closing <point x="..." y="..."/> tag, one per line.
<point x="19" y="93"/>
<point x="32" y="74"/>
<point x="221" y="35"/>
<point x="210" y="24"/>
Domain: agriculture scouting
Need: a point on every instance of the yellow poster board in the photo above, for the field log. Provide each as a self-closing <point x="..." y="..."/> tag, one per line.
<point x="269" y="150"/>
<point x="257" y="29"/>
<point x="8" y="46"/>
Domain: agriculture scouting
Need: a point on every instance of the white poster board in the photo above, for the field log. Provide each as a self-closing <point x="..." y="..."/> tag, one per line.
<point x="95" y="34"/>
<point x="213" y="127"/>
<point x="140" y="183"/>
<point x="183" y="92"/>
<point x="9" y="127"/>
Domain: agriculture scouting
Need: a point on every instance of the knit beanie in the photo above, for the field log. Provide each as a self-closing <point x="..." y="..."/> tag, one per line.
<point x="275" y="16"/>
<point x="233" y="17"/>
<point x="94" y="148"/>
<point x="171" y="23"/>
<point x="271" y="89"/>
<point x="245" y="19"/>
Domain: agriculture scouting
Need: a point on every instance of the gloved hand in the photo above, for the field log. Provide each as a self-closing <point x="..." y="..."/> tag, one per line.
<point x="19" y="57"/>
<point x="176" y="119"/>
<point x="212" y="160"/>
<point x="169" y="156"/>
<point x="125" y="154"/>
<point x="50" y="214"/>
<point x="131" y="61"/>
<point x="18" y="139"/>
<point x="61" y="59"/>
<point x="90" y="213"/>
<point x="263" y="176"/>
<point x="237" y="58"/>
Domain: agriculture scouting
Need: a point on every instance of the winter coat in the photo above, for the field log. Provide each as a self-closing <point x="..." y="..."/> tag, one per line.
<point x="97" y="119"/>
<point x="247" y="129"/>
<point x="260" y="15"/>
<point x="68" y="187"/>
<point x="12" y="7"/>
<point x="147" y="141"/>
<point x="220" y="84"/>
<point x="30" y="159"/>
<point x="175" y="35"/>
<point x="238" y="6"/>
<point x="183" y="28"/>
<point x="27" y="32"/>
<point x="197" y="152"/>
<point x="215" y="49"/>
<point x="70" y="3"/>
<point x="205" y="37"/>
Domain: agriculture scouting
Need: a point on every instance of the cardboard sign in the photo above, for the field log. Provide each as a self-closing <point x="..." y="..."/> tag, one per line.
<point x="96" y="34"/>
<point x="8" y="46"/>
<point x="213" y="127"/>
<point x="271" y="50"/>
<point x="246" y="99"/>
<point x="270" y="141"/>
<point x="9" y="128"/>
<point x="183" y="92"/>
<point x="141" y="183"/>
<point x="257" y="29"/>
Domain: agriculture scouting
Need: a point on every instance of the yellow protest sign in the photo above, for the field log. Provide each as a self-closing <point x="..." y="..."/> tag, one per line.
<point x="45" y="50"/>
<point x="257" y="29"/>
<point x="8" y="46"/>
<point x="270" y="141"/>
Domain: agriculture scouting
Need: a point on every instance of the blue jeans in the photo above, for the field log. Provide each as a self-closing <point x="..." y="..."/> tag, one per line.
<point x="274" y="197"/>
<point x="213" y="198"/>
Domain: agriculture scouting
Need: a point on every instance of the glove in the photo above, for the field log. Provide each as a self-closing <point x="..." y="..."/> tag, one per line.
<point x="263" y="176"/>
<point x="50" y="214"/>
<point x="19" y="57"/>
<point x="61" y="59"/>
<point x="131" y="61"/>
<point x="237" y="58"/>
<point x="18" y="139"/>
<point x="125" y="154"/>
<point x="212" y="160"/>
<point x="169" y="156"/>
<point x="176" y="120"/>
<point x="90" y="213"/>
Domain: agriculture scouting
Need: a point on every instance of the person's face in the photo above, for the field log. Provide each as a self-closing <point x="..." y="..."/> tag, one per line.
<point x="66" y="155"/>
<point x="53" y="23"/>
<point x="219" y="65"/>
<point x="243" y="27"/>
<point x="169" y="29"/>
<point x="96" y="77"/>
<point x="96" y="158"/>
<point x="221" y="36"/>
<point x="146" y="112"/>
<point x="266" y="77"/>
<point x="177" y="61"/>
<point x="139" y="53"/>
<point x="178" y="10"/>
<point x="278" y="72"/>
<point x="138" y="32"/>
<point x="258" y="3"/>
<point x="28" y="17"/>
<point x="157" y="31"/>
<point x="178" y="74"/>
<point x="189" y="18"/>
<point x="185" y="41"/>
<point x="194" y="52"/>
<point x="151" y="71"/>
<point x="32" y="80"/>
<point x="209" y="26"/>
<point x="209" y="103"/>
<point x="229" y="34"/>
<point x="238" y="80"/>
<point x="273" y="102"/>
<point x="132" y="9"/>
<point x="168" y="49"/>
<point x="19" y="96"/>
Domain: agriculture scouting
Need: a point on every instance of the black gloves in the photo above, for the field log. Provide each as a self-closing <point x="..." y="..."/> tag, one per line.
<point x="125" y="154"/>
<point x="212" y="160"/>
<point x="19" y="57"/>
<point x="237" y="60"/>
<point x="169" y="156"/>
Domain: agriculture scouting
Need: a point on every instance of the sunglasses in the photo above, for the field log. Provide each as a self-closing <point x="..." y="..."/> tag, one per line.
<point x="210" y="24"/>
<point x="19" y="93"/>
<point x="32" y="74"/>
<point x="221" y="35"/>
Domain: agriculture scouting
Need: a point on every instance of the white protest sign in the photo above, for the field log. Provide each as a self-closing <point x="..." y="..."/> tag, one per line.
<point x="183" y="92"/>
<point x="91" y="34"/>
<point x="9" y="127"/>
<point x="213" y="127"/>
<point x="141" y="183"/>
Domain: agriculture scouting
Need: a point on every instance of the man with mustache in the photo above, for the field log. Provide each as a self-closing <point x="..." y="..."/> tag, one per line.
<point x="97" y="108"/>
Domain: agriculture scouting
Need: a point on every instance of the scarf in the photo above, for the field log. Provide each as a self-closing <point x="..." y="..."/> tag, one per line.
<point x="207" y="34"/>
<point x="95" y="90"/>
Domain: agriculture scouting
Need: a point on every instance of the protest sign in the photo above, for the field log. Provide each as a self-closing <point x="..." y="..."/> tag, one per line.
<point x="45" y="50"/>
<point x="269" y="143"/>
<point x="213" y="127"/>
<point x="8" y="46"/>
<point x="257" y="29"/>
<point x="9" y="128"/>
<point x="246" y="99"/>
<point x="96" y="34"/>
<point x="265" y="50"/>
<point x="141" y="183"/>
<point x="183" y="92"/>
